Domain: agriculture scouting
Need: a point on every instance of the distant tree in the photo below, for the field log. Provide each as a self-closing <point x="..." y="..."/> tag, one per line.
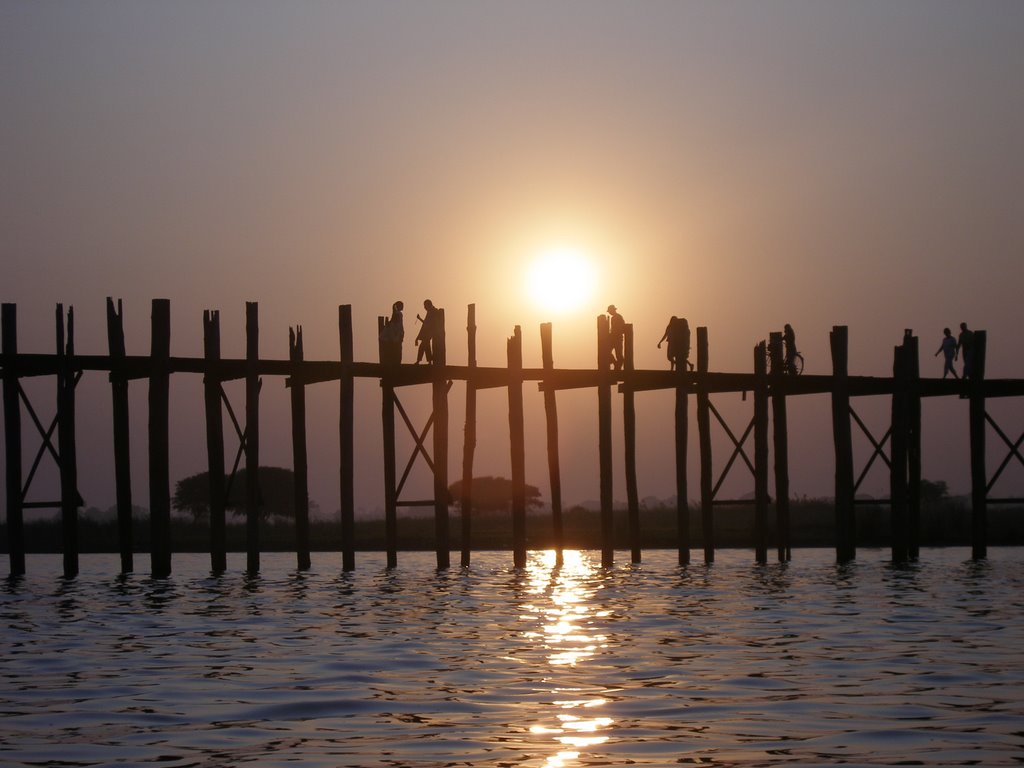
<point x="192" y="495"/>
<point x="493" y="494"/>
<point x="934" y="492"/>
<point x="276" y="494"/>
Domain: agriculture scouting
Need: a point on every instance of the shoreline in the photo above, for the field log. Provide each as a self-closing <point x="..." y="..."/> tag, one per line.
<point x="812" y="525"/>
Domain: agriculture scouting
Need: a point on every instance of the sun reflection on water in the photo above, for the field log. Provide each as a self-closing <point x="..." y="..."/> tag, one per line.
<point x="562" y="616"/>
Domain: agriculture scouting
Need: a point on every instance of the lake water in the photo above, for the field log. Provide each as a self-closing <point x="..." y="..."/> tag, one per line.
<point x="732" y="664"/>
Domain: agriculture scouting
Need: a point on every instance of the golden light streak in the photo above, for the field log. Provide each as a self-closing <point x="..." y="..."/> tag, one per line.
<point x="560" y="620"/>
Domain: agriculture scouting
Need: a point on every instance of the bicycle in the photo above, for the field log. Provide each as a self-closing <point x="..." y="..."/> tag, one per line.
<point x="790" y="367"/>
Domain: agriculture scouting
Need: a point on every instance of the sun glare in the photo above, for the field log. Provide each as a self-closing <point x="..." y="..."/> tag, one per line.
<point x="561" y="280"/>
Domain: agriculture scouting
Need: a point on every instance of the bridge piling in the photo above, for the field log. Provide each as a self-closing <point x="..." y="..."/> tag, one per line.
<point x="252" y="437"/>
<point x="122" y="452"/>
<point x="629" y="447"/>
<point x="760" y="454"/>
<point x="843" y="439"/>
<point x="551" y="433"/>
<point x="439" y="386"/>
<point x="300" y="464"/>
<point x="913" y="448"/>
<point x="469" y="442"/>
<point x="12" y="439"/>
<point x="604" y="437"/>
<point x="704" y="441"/>
<point x="517" y="442"/>
<point x="681" y="427"/>
<point x="159" y="440"/>
<point x="346" y="438"/>
<point x="976" y="414"/>
<point x="213" y="400"/>
<point x="898" y="456"/>
<point x="66" y="380"/>
<point x="780" y="445"/>
<point x="387" y="390"/>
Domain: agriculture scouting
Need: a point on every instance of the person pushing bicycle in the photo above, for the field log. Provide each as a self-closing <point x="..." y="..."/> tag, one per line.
<point x="791" y="355"/>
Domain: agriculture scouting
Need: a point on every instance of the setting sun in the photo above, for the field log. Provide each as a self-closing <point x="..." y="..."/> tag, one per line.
<point x="561" y="279"/>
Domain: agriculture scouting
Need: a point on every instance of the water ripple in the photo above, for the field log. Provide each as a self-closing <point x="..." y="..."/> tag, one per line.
<point x="731" y="664"/>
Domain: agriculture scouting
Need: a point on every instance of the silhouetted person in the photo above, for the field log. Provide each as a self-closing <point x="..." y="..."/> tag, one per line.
<point x="948" y="350"/>
<point x="965" y="348"/>
<point x="683" y="344"/>
<point x="392" y="335"/>
<point x="677" y="335"/>
<point x="670" y="336"/>
<point x="428" y="331"/>
<point x="616" y="337"/>
<point x="789" y="339"/>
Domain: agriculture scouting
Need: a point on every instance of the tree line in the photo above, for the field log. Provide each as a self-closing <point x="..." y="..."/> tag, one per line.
<point x="276" y="498"/>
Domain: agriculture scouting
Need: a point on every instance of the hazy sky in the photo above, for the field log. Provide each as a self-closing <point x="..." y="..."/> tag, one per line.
<point x="740" y="164"/>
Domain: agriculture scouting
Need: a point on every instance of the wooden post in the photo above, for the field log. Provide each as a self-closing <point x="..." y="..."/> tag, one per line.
<point x="122" y="452"/>
<point x="469" y="444"/>
<point x="604" y="431"/>
<point x="212" y="396"/>
<point x="346" y="432"/>
<point x="781" y="447"/>
<point x="682" y="428"/>
<point x="159" y="440"/>
<point x="299" y="458"/>
<point x="252" y="437"/>
<point x="551" y="423"/>
<point x="704" y="438"/>
<point x="518" y="444"/>
<point x="629" y="431"/>
<point x="913" y="448"/>
<point x="440" y="400"/>
<point x="979" y="479"/>
<point x="843" y="439"/>
<point x="898" y="458"/>
<point x="12" y="440"/>
<point x="69" y="501"/>
<point x="760" y="453"/>
<point x="387" y="417"/>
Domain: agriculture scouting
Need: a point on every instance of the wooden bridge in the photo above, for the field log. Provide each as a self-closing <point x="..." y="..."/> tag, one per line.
<point x="768" y="382"/>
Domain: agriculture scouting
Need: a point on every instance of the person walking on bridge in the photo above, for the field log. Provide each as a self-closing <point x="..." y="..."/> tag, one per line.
<point x="948" y="349"/>
<point x="789" y="339"/>
<point x="429" y="331"/>
<point x="965" y="348"/>
<point x="617" y="336"/>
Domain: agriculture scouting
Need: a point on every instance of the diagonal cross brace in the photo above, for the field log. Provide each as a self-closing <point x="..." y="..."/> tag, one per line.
<point x="418" y="449"/>
<point x="242" y="435"/>
<point x="879" y="448"/>
<point x="737" y="450"/>
<point x="419" y="438"/>
<point x="1012" y="452"/>
<point x="47" y="444"/>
